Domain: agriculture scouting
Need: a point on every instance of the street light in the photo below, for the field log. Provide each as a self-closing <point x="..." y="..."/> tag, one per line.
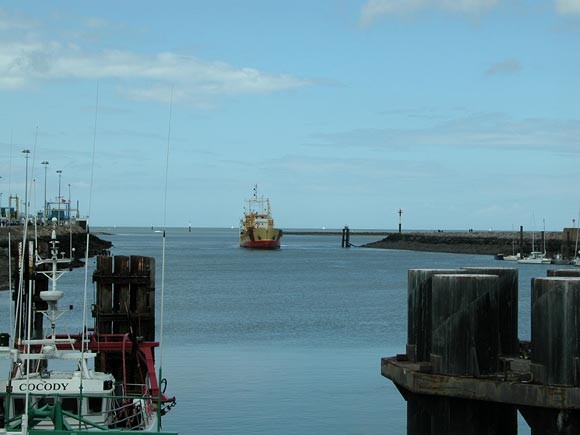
<point x="26" y="156"/>
<point x="59" y="172"/>
<point x="45" y="163"/>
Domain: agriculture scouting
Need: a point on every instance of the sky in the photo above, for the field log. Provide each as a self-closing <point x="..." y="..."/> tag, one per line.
<point x="462" y="113"/>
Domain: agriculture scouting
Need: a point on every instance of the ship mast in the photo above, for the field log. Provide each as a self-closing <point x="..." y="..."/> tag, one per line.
<point x="52" y="296"/>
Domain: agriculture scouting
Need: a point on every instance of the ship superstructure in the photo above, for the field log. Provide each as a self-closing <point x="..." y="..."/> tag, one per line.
<point x="257" y="228"/>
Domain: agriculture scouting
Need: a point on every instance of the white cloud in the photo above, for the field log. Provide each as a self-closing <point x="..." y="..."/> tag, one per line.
<point x="568" y="7"/>
<point x="486" y="130"/>
<point x="11" y="22"/>
<point x="469" y="7"/>
<point x="27" y="60"/>
<point x="374" y="9"/>
<point x="509" y="66"/>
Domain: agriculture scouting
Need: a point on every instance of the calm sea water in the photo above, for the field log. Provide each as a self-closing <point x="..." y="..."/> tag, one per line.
<point x="282" y="342"/>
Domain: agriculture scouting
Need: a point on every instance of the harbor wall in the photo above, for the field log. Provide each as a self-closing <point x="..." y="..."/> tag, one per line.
<point x="477" y="242"/>
<point x="79" y="239"/>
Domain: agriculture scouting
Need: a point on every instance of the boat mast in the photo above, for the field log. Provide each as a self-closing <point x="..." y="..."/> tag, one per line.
<point x="576" y="246"/>
<point x="544" y="235"/>
<point x="163" y="252"/>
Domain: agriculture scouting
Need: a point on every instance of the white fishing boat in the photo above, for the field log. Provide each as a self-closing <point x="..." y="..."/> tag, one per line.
<point x="514" y="257"/>
<point x="49" y="385"/>
<point x="535" y="257"/>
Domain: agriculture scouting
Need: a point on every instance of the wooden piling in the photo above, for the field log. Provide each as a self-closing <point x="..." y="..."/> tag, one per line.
<point x="419" y="289"/>
<point x="555" y="331"/>
<point x="465" y="324"/>
<point x="544" y="421"/>
<point x="507" y="306"/>
<point x="125" y="299"/>
<point x="345" y="237"/>
<point x="125" y="305"/>
<point x="104" y="303"/>
<point x="571" y="273"/>
<point x="469" y="385"/>
<point x="452" y="416"/>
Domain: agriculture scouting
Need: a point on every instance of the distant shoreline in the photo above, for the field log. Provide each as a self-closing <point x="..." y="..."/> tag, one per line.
<point x="334" y="233"/>
<point x="479" y="243"/>
<point x="79" y="240"/>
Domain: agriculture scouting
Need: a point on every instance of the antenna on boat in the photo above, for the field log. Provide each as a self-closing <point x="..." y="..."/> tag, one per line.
<point x="161" y="311"/>
<point x="87" y="247"/>
<point x="88" y="218"/>
<point x="52" y="296"/>
<point x="30" y="281"/>
<point x="577" y="228"/>
<point x="10" y="289"/>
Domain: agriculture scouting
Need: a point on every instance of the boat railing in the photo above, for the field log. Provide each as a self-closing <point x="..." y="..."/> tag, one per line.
<point x="132" y="413"/>
<point x="126" y="412"/>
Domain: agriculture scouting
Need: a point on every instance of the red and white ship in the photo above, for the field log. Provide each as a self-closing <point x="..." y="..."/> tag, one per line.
<point x="257" y="229"/>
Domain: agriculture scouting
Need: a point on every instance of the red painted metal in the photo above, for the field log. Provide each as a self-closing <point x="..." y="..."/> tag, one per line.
<point x="261" y="244"/>
<point x="118" y="343"/>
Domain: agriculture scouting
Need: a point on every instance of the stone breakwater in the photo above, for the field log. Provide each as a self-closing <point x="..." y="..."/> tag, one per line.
<point x="477" y="242"/>
<point x="97" y="246"/>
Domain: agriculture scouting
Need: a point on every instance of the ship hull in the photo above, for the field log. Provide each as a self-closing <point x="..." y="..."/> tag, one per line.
<point x="261" y="238"/>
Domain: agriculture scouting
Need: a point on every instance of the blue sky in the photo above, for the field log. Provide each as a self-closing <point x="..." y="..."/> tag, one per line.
<point x="464" y="113"/>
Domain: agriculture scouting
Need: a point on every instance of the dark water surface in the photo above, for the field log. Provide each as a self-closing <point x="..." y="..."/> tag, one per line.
<point x="282" y="342"/>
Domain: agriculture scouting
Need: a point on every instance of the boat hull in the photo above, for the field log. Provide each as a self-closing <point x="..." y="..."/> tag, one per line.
<point x="535" y="258"/>
<point x="535" y="261"/>
<point x="261" y="238"/>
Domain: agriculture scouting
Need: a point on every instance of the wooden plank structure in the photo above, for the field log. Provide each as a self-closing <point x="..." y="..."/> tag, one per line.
<point x="462" y="373"/>
<point x="124" y="313"/>
<point x="125" y="296"/>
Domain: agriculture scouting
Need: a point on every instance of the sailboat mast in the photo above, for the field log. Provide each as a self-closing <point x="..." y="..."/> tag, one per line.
<point x="544" y="235"/>
<point x="576" y="246"/>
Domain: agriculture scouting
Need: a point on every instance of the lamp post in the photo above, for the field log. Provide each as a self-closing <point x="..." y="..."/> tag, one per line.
<point x="26" y="156"/>
<point x="59" y="172"/>
<point x="45" y="163"/>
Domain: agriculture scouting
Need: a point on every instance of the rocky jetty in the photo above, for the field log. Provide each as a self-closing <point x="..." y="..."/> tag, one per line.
<point x="97" y="246"/>
<point x="476" y="242"/>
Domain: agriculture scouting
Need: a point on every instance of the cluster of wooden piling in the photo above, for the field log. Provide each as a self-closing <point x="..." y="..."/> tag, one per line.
<point x="125" y="296"/>
<point x="465" y="370"/>
<point x="124" y="306"/>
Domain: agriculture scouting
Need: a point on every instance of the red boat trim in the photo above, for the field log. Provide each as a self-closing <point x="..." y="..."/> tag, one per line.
<point x="261" y="244"/>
